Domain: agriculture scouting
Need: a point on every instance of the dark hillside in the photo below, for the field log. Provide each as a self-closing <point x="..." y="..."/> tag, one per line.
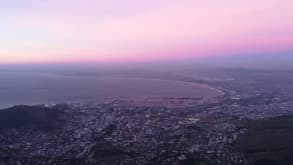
<point x="269" y="141"/>
<point x="30" y="116"/>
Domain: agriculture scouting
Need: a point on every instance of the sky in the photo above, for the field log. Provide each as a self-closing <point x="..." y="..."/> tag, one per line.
<point x="35" y="31"/>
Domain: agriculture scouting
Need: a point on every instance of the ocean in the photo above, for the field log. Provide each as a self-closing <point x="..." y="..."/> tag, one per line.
<point x="45" y="88"/>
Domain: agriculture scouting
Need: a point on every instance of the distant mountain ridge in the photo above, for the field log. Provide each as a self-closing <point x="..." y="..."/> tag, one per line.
<point x="271" y="61"/>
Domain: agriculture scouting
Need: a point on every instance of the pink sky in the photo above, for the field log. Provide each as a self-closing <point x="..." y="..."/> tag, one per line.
<point x="140" y="30"/>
